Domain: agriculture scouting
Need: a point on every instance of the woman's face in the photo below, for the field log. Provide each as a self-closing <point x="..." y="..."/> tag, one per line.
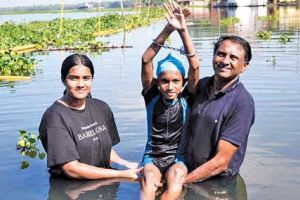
<point x="78" y="82"/>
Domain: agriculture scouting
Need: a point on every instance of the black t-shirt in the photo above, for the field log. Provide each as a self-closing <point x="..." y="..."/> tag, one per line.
<point x="84" y="135"/>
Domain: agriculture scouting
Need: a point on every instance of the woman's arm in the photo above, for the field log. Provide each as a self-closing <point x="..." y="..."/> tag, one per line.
<point x="78" y="170"/>
<point x="114" y="157"/>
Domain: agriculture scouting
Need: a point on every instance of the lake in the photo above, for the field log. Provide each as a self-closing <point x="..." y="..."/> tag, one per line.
<point x="271" y="169"/>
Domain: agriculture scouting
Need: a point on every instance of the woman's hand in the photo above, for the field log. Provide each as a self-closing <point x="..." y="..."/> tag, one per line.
<point x="132" y="173"/>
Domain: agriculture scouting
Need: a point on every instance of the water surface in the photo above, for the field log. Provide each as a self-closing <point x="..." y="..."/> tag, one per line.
<point x="271" y="169"/>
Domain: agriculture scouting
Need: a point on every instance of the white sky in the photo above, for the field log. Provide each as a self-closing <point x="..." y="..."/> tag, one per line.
<point x="14" y="3"/>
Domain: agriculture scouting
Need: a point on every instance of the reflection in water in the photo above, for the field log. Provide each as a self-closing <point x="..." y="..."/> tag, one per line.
<point x="62" y="189"/>
<point x="273" y="142"/>
<point x="229" y="188"/>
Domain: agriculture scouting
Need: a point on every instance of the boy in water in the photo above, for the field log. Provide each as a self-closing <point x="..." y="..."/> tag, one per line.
<point x="167" y="108"/>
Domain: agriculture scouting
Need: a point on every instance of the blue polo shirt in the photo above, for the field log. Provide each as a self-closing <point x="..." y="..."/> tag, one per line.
<point x="227" y="115"/>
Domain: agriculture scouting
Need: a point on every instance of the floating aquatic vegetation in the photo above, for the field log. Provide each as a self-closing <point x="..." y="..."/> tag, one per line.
<point x="265" y="35"/>
<point x="27" y="145"/>
<point x="229" y="21"/>
<point x="272" y="18"/>
<point x="77" y="34"/>
<point x="273" y="60"/>
<point x="284" y="38"/>
<point x="204" y="23"/>
<point x="76" y="31"/>
<point x="14" y="64"/>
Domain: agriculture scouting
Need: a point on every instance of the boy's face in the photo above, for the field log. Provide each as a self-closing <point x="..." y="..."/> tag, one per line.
<point x="170" y="84"/>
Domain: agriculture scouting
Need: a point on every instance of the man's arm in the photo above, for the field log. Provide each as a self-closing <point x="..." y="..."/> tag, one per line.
<point x="218" y="164"/>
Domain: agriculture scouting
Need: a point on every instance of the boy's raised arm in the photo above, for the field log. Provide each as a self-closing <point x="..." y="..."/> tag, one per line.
<point x="176" y="18"/>
<point x="150" y="53"/>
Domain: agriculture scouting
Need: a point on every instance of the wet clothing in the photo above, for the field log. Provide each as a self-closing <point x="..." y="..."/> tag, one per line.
<point x="84" y="135"/>
<point x="166" y="124"/>
<point x="227" y="115"/>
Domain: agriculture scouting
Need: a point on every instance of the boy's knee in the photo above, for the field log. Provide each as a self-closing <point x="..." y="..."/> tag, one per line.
<point x="178" y="170"/>
<point x="150" y="181"/>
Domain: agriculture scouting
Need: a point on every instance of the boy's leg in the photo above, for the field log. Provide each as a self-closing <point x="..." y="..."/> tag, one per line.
<point x="150" y="181"/>
<point x="175" y="178"/>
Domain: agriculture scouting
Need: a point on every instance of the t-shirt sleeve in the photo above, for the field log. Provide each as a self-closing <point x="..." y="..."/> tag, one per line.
<point x="56" y="139"/>
<point x="112" y="127"/>
<point x="151" y="93"/>
<point x="237" y="125"/>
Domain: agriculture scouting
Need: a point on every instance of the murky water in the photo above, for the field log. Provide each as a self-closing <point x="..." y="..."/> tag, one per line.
<point x="271" y="169"/>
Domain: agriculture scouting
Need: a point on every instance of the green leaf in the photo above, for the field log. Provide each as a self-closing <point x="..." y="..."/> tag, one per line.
<point x="24" y="164"/>
<point x="32" y="140"/>
<point x="32" y="154"/>
<point x="28" y="145"/>
<point x="23" y="133"/>
<point x="42" y="155"/>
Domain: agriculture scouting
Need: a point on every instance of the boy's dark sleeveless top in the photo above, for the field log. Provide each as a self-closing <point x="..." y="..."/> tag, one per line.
<point x="165" y="122"/>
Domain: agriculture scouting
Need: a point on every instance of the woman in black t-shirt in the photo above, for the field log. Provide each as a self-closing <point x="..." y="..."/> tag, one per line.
<point x="78" y="132"/>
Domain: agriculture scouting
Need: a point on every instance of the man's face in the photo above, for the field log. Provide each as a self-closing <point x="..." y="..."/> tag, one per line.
<point x="229" y="60"/>
<point x="170" y="84"/>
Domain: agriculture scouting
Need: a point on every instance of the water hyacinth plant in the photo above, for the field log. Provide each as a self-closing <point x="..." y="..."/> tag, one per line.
<point x="27" y="145"/>
<point x="265" y="35"/>
<point x="271" y="18"/>
<point x="204" y="23"/>
<point x="284" y="38"/>
<point x="273" y="60"/>
<point x="45" y="36"/>
<point x="229" y="21"/>
<point x="14" y="64"/>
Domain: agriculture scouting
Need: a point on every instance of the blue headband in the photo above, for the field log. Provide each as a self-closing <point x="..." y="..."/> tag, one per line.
<point x="172" y="63"/>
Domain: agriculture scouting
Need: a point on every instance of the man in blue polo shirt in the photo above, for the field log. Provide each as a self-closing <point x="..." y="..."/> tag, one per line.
<point x="222" y="114"/>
